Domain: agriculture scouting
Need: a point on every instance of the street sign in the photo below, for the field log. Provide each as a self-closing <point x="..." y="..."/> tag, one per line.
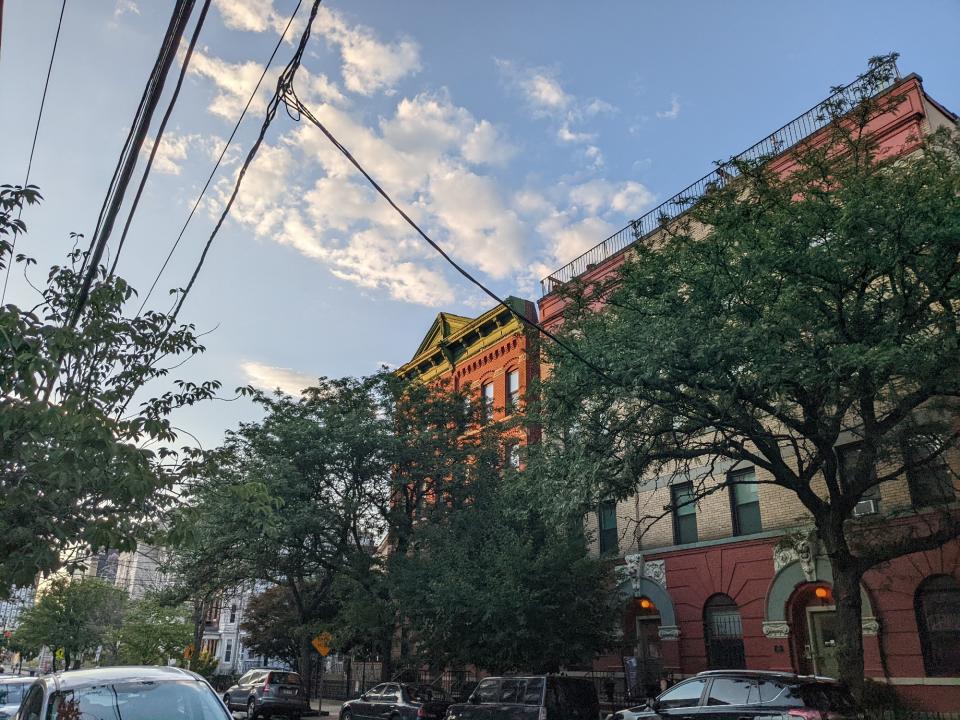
<point x="321" y="643"/>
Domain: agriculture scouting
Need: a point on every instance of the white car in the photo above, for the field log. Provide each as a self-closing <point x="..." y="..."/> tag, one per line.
<point x="122" y="692"/>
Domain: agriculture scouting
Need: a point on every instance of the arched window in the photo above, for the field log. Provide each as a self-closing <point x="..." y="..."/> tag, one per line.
<point x="938" y="620"/>
<point x="723" y="633"/>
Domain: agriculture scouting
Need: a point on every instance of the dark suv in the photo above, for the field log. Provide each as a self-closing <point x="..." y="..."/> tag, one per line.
<point x="544" y="697"/>
<point x="746" y="694"/>
<point x="268" y="692"/>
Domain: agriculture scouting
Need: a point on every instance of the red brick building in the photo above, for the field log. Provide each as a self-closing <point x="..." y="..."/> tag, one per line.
<point x="739" y="581"/>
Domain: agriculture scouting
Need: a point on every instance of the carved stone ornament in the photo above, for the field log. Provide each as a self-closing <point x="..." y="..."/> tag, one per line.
<point x="632" y="571"/>
<point x="669" y="632"/>
<point x="656" y="570"/>
<point x="870" y="625"/>
<point x="776" y="629"/>
<point x="798" y="547"/>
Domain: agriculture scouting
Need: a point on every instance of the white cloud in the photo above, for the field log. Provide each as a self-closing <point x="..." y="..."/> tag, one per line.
<point x="122" y="7"/>
<point x="673" y="112"/>
<point x="565" y="134"/>
<point x="600" y="196"/>
<point x="175" y="149"/>
<point x="369" y="65"/>
<point x="541" y="89"/>
<point x="235" y="82"/>
<point x="250" y="15"/>
<point x="270" y="378"/>
<point x="485" y="145"/>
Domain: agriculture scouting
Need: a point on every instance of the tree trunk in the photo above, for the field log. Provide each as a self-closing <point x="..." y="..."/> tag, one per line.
<point x="846" y="592"/>
<point x="306" y="672"/>
<point x="66" y="659"/>
<point x="198" y="613"/>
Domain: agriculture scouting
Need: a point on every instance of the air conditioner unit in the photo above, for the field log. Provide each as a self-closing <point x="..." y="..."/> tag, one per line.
<point x="865" y="507"/>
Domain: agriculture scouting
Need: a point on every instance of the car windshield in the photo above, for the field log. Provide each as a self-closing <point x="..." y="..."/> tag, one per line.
<point x="185" y="699"/>
<point x="285" y="678"/>
<point x="12" y="693"/>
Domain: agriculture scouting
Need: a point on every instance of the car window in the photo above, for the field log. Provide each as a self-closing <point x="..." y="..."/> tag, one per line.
<point x="183" y="700"/>
<point x="509" y="691"/>
<point x="769" y="691"/>
<point x="12" y="693"/>
<point x="376" y="692"/>
<point x="391" y="694"/>
<point x="488" y="692"/>
<point x="284" y="678"/>
<point x="244" y="679"/>
<point x="533" y="691"/>
<point x="686" y="694"/>
<point x="827" y="696"/>
<point x="731" y="691"/>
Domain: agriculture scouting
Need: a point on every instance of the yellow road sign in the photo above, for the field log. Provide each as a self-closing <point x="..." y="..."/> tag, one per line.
<point x="321" y="643"/>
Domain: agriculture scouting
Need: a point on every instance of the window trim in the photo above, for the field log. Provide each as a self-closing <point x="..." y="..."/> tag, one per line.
<point x="735" y="521"/>
<point x="675" y="512"/>
<point x="605" y="547"/>
<point x="512" y="397"/>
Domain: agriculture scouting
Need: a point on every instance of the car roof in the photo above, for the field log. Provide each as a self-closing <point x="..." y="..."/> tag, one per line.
<point x="71" y="679"/>
<point x="769" y="674"/>
<point x="11" y="679"/>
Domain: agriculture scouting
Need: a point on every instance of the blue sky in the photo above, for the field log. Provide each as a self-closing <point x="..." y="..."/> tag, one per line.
<point x="519" y="134"/>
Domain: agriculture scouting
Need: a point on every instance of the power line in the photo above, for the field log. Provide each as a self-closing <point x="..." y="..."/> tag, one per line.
<point x="160" y="130"/>
<point x="292" y="101"/>
<point x="223" y="152"/>
<point x="130" y="152"/>
<point x="36" y="132"/>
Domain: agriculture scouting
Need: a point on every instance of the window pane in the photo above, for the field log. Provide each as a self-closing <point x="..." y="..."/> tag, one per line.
<point x="723" y="632"/>
<point x="729" y="691"/>
<point x="748" y="519"/>
<point x="607" y="517"/>
<point x="686" y="529"/>
<point x="533" y="693"/>
<point x="488" y="691"/>
<point x="513" y="387"/>
<point x="510" y="691"/>
<point x="938" y="619"/>
<point x="683" y="695"/>
<point x="745" y="489"/>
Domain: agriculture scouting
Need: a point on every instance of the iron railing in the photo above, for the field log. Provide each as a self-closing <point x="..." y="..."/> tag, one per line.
<point x="813" y="120"/>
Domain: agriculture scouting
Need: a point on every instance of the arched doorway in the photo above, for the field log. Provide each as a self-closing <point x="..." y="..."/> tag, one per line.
<point x="723" y="634"/>
<point x="937" y="605"/>
<point x="645" y="652"/>
<point x="811" y="615"/>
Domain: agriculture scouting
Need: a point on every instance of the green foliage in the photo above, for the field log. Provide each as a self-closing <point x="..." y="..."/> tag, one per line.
<point x="152" y="633"/>
<point x="74" y="468"/>
<point x="74" y="616"/>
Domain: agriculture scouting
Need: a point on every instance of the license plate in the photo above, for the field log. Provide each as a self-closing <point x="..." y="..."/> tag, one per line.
<point x="289" y="691"/>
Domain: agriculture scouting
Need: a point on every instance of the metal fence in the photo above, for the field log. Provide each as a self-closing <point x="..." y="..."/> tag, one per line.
<point x="815" y="119"/>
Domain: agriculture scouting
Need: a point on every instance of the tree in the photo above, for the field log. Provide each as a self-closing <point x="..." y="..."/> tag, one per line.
<point x="782" y="312"/>
<point x="152" y="633"/>
<point x="272" y="626"/>
<point x="75" y="468"/>
<point x="493" y="581"/>
<point x="75" y="616"/>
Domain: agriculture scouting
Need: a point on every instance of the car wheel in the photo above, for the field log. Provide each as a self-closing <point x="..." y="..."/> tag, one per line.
<point x="346" y="715"/>
<point x="251" y="709"/>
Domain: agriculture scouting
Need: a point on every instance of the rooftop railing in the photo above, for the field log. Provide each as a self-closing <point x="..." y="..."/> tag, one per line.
<point x="813" y="120"/>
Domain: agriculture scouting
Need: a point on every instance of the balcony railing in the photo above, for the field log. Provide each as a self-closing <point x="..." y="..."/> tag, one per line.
<point x="814" y="119"/>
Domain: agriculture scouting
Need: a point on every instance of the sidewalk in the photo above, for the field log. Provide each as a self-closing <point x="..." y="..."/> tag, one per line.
<point x="330" y="707"/>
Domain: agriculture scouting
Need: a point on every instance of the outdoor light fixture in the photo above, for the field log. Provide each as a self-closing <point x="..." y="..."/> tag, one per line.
<point x="646" y="603"/>
<point x="822" y="592"/>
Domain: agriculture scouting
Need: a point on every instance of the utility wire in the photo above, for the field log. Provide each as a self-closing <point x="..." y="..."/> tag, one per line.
<point x="33" y="145"/>
<point x="130" y="152"/>
<point x="160" y="131"/>
<point x="294" y="103"/>
<point x="223" y="152"/>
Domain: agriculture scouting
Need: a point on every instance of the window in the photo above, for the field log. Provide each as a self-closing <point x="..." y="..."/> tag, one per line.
<point x="928" y="475"/>
<point x="607" y="522"/>
<point x="938" y="620"/>
<point x="233" y="613"/>
<point x="684" y="513"/>
<point x="732" y="691"/>
<point x="533" y="691"/>
<point x="391" y="694"/>
<point x="227" y="650"/>
<point x="847" y="456"/>
<point x="513" y="389"/>
<point x="745" y="502"/>
<point x="510" y="691"/>
<point x="723" y="632"/>
<point x="486" y="391"/>
<point x="487" y="692"/>
<point x="686" y="694"/>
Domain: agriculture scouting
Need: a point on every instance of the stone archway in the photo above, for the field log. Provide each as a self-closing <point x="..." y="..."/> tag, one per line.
<point x="638" y="580"/>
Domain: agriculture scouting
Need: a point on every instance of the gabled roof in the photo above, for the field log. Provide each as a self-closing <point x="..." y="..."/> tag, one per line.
<point x="445" y="325"/>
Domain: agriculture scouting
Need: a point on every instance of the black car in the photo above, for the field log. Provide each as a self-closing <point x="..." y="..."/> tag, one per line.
<point x="264" y="692"/>
<point x="544" y="697"/>
<point x="397" y="701"/>
<point x="745" y="695"/>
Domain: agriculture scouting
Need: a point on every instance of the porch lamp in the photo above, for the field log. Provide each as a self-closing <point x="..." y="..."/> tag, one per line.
<point x="822" y="592"/>
<point x="646" y="603"/>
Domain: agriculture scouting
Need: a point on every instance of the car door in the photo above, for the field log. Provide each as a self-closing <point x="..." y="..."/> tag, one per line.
<point x="233" y="692"/>
<point x="364" y="707"/>
<point x="484" y="701"/>
<point x="389" y="702"/>
<point x="682" y="701"/>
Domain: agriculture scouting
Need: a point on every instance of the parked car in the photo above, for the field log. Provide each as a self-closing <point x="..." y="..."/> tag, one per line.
<point x="12" y="689"/>
<point x="543" y="697"/>
<point x="749" y="694"/>
<point x="122" y="692"/>
<point x="266" y="692"/>
<point x="398" y="701"/>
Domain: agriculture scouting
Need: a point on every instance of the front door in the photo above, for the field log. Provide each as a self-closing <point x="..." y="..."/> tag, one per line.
<point x="823" y="640"/>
